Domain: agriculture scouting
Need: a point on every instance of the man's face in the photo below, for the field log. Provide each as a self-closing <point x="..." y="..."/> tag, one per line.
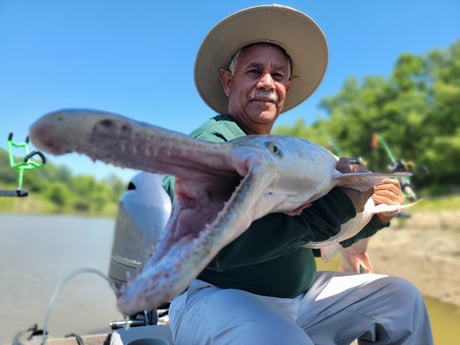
<point x="257" y="90"/>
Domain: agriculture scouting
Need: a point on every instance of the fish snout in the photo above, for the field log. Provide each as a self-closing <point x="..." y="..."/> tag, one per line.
<point x="45" y="136"/>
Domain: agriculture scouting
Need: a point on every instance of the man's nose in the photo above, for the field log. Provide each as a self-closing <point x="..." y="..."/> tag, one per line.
<point x="266" y="82"/>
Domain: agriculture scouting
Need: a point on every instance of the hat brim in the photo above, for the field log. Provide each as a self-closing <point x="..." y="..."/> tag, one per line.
<point x="292" y="30"/>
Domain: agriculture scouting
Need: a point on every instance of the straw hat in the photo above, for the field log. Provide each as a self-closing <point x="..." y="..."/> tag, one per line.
<point x="286" y="27"/>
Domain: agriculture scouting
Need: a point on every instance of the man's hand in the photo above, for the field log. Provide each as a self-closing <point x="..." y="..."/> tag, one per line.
<point x="389" y="192"/>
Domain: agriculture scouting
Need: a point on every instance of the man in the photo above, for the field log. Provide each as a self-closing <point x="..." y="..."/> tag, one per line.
<point x="263" y="288"/>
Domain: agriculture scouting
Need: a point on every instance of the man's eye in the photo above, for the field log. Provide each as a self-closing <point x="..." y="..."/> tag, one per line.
<point x="278" y="76"/>
<point x="254" y="72"/>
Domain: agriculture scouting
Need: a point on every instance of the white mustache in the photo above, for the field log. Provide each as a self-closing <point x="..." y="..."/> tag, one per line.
<point x="257" y="94"/>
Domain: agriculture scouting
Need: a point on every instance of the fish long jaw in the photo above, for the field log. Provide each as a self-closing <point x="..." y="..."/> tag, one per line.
<point x="123" y="142"/>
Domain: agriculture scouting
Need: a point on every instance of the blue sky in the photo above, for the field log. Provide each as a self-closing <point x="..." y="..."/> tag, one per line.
<point x="136" y="57"/>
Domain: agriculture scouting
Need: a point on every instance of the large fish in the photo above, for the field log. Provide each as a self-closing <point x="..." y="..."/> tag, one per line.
<point x="220" y="188"/>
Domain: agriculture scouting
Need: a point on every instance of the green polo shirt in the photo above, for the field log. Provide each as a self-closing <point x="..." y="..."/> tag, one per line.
<point x="268" y="258"/>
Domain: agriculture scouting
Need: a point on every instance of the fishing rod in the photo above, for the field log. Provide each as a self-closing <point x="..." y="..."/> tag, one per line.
<point x="396" y="165"/>
<point x="399" y="165"/>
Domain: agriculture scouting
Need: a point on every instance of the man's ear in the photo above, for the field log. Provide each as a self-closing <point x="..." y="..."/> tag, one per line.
<point x="226" y="78"/>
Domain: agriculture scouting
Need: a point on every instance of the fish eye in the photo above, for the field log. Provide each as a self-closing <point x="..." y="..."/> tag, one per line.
<point x="274" y="148"/>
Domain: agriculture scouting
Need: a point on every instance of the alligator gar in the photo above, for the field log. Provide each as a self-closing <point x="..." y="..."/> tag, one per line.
<point x="220" y="188"/>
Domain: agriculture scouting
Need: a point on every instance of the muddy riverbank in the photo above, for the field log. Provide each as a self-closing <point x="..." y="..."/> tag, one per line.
<point x="425" y="249"/>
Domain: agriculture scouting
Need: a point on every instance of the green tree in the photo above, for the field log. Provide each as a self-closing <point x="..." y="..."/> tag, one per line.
<point x="57" y="193"/>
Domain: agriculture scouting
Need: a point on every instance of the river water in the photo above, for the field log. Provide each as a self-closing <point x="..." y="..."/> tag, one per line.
<point x="38" y="252"/>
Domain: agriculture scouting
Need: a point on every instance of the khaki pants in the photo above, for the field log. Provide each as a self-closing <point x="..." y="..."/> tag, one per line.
<point x="338" y="309"/>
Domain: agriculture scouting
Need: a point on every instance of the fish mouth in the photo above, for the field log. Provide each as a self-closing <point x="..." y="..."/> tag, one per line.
<point x="203" y="221"/>
<point x="211" y="185"/>
<point x="213" y="191"/>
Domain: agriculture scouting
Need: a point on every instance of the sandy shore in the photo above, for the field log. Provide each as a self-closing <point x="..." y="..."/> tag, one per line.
<point x="425" y="249"/>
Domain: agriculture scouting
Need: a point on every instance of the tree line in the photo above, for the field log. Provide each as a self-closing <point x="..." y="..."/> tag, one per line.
<point x="413" y="114"/>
